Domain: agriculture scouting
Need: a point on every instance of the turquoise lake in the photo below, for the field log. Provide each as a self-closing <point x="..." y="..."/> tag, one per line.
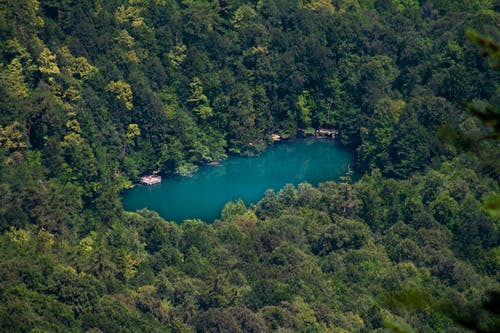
<point x="205" y="193"/>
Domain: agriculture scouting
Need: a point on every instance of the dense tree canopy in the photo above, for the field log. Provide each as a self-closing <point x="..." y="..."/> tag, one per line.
<point x="94" y="94"/>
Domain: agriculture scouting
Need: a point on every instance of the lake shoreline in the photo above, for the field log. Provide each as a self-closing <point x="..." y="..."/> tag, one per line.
<point x="281" y="140"/>
<point x="204" y="194"/>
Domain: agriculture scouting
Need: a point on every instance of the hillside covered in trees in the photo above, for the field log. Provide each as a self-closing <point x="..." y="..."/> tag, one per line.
<point x="95" y="93"/>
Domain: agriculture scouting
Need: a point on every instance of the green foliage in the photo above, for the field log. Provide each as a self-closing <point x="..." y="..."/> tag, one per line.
<point x="12" y="80"/>
<point x="47" y="62"/>
<point x="123" y="92"/>
<point x="199" y="100"/>
<point x="133" y="131"/>
<point x="209" y="78"/>
<point x="305" y="104"/>
<point x="233" y="209"/>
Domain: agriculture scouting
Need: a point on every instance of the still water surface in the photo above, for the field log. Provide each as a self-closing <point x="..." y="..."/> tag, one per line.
<point x="205" y="193"/>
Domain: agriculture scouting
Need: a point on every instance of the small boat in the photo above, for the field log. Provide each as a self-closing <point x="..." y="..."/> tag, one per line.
<point x="150" y="180"/>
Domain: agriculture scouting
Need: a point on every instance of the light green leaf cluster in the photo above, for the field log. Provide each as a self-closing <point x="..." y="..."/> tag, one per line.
<point x="123" y="92"/>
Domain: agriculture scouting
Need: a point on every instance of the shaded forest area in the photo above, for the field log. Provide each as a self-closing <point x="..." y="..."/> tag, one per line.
<point x="95" y="93"/>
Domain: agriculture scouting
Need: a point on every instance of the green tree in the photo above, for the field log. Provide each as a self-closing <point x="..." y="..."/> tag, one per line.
<point x="123" y="92"/>
<point x="47" y="62"/>
<point x="305" y="106"/>
<point x="199" y="101"/>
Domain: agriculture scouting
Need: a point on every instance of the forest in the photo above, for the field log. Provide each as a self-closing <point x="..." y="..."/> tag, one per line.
<point x="96" y="93"/>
